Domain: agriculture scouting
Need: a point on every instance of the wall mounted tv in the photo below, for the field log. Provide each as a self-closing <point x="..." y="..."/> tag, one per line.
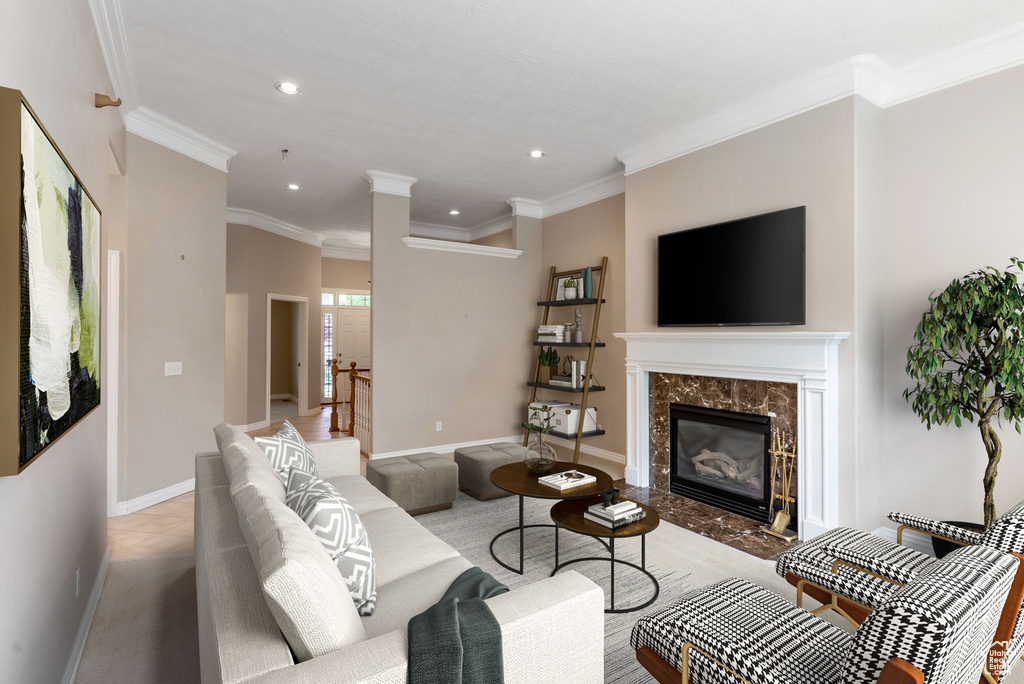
<point x="744" y="272"/>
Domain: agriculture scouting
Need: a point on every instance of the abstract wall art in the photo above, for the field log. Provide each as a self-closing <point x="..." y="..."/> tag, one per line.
<point x="58" y="289"/>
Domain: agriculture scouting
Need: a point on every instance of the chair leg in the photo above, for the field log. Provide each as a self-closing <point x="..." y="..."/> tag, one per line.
<point x="687" y="647"/>
<point x="833" y="603"/>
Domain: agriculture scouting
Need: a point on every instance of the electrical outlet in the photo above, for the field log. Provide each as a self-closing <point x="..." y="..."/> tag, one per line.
<point x="78" y="581"/>
<point x="172" y="368"/>
<point x="438" y="427"/>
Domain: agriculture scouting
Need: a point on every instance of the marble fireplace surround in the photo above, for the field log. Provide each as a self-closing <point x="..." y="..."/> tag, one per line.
<point x="810" y="360"/>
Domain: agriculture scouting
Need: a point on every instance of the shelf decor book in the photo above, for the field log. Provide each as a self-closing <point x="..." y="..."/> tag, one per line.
<point x="615" y="511"/>
<point x="629" y="519"/>
<point x="566" y="480"/>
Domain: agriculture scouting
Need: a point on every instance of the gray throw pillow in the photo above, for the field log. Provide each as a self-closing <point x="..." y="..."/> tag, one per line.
<point x="338" y="527"/>
<point x="287" y="450"/>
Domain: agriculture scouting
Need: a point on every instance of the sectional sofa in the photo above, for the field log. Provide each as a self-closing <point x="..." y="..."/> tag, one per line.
<point x="552" y="630"/>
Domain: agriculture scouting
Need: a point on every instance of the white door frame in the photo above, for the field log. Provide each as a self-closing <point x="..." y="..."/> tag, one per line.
<point x="303" y="303"/>
<point x="342" y="398"/>
<point x="110" y="391"/>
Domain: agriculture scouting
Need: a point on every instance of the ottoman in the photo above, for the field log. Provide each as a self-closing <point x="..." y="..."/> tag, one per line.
<point x="476" y="464"/>
<point x="419" y="483"/>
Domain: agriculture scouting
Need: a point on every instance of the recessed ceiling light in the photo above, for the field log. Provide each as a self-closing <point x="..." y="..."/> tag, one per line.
<point x="454" y="212"/>
<point x="288" y="88"/>
<point x="536" y="154"/>
<point x="294" y="186"/>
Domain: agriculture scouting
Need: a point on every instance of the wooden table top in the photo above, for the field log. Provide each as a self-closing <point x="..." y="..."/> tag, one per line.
<point x="518" y="479"/>
<point x="569" y="514"/>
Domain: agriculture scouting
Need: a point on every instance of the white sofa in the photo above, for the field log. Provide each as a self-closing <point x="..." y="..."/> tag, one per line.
<point x="552" y="630"/>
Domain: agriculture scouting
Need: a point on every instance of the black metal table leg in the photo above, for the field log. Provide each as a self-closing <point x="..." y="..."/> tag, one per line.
<point x="615" y="561"/>
<point x="612" y="540"/>
<point x="556" y="545"/>
<point x="521" y="533"/>
<point x="520" y="528"/>
<point x="643" y="551"/>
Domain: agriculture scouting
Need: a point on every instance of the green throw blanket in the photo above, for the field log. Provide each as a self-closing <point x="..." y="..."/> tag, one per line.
<point x="458" y="640"/>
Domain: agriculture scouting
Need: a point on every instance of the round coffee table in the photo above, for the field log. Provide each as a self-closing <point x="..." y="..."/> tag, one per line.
<point x="569" y="514"/>
<point x="518" y="479"/>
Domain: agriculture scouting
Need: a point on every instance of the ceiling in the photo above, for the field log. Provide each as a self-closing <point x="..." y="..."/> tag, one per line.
<point x="456" y="92"/>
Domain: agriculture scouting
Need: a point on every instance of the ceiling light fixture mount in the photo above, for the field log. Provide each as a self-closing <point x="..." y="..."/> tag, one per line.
<point x="454" y="212"/>
<point x="536" y="154"/>
<point x="288" y="88"/>
<point x="294" y="186"/>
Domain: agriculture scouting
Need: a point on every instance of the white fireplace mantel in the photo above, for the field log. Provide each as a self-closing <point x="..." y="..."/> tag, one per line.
<point x="809" y="360"/>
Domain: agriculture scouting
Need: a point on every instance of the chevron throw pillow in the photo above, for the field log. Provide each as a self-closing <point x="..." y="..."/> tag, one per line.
<point x="287" y="450"/>
<point x="338" y="527"/>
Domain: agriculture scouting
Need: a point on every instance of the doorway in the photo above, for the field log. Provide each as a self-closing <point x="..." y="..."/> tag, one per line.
<point x="345" y="326"/>
<point x="287" y="349"/>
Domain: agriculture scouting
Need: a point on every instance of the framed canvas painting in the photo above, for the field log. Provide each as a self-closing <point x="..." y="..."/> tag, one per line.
<point x="49" y="288"/>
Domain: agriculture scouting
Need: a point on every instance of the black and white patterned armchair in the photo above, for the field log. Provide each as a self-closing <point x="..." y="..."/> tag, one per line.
<point x="852" y="572"/>
<point x="734" y="632"/>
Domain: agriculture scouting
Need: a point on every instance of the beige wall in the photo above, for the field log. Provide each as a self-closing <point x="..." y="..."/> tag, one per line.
<point x="174" y="279"/>
<point x="503" y="239"/>
<point x="451" y="336"/>
<point x="345" y="274"/>
<point x="953" y="177"/>
<point x="261" y="263"/>
<point x="284" y="353"/>
<point x="54" y="512"/>
<point x="581" y="237"/>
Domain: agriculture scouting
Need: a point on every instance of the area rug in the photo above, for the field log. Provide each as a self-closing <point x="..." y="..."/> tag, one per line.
<point x="681" y="560"/>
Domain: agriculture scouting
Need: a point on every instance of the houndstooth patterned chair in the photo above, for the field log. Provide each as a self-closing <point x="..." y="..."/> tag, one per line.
<point x="733" y="631"/>
<point x="846" y="588"/>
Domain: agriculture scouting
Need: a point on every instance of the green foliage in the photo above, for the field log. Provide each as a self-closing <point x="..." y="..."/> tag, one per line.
<point x="549" y="357"/>
<point x="569" y="283"/>
<point x="537" y="423"/>
<point x="969" y="358"/>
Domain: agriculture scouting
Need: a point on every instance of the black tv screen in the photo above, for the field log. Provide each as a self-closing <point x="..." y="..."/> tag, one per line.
<point x="744" y="272"/>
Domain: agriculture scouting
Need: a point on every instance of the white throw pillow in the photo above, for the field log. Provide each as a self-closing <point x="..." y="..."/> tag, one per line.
<point x="337" y="525"/>
<point x="287" y="450"/>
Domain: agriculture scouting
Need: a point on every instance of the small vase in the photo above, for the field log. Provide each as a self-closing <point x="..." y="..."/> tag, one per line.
<point x="539" y="457"/>
<point x="545" y="374"/>
<point x="570" y="292"/>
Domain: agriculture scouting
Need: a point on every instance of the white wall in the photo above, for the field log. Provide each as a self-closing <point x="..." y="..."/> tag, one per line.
<point x="54" y="512"/>
<point x="954" y="169"/>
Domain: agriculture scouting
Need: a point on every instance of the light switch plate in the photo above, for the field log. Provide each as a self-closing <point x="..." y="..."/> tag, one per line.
<point x="172" y="368"/>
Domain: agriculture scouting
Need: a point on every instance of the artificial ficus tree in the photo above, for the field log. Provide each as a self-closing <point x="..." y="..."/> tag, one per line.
<point x="968" y="360"/>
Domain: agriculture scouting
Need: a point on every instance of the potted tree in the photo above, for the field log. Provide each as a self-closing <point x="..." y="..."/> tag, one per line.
<point x="968" y="361"/>
<point x="548" y="363"/>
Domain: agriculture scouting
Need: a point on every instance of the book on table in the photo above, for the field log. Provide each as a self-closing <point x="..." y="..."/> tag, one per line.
<point x="633" y="517"/>
<point x="562" y="481"/>
<point x="615" y="512"/>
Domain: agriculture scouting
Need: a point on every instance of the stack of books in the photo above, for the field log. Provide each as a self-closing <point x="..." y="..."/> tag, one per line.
<point x="567" y="480"/>
<point x="552" y="333"/>
<point x="615" y="516"/>
<point x="561" y="381"/>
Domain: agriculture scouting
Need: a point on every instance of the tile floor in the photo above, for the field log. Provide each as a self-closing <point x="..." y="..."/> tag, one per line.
<point x="164" y="528"/>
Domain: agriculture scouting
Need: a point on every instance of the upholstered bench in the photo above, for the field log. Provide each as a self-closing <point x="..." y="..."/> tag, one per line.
<point x="420" y="483"/>
<point x="476" y="464"/>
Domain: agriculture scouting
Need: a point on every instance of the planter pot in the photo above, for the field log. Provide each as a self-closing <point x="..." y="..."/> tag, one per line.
<point x="570" y="292"/>
<point x="943" y="547"/>
<point x="545" y="373"/>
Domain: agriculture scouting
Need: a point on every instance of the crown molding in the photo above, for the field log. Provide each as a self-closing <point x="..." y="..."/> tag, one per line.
<point x="439" y="232"/>
<point x="157" y="128"/>
<point x="526" y="207"/>
<point x="866" y="75"/>
<point x="247" y="217"/>
<point x="390" y="183"/>
<point x="609" y="186"/>
<point x="108" y="17"/>
<point x="350" y="253"/>
<point x="463" y="247"/>
<point x="489" y="228"/>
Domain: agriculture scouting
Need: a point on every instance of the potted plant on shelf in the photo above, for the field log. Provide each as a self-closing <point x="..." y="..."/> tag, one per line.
<point x="540" y="457"/>
<point x="569" y="288"/>
<point x="548" y="363"/>
<point x="968" y="362"/>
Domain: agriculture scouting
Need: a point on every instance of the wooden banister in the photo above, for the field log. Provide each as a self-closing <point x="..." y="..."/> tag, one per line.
<point x="334" y="396"/>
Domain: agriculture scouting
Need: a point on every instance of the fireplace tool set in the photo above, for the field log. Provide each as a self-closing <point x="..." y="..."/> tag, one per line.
<point x="783" y="463"/>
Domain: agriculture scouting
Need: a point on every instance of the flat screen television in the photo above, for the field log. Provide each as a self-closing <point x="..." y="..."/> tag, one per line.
<point x="744" y="272"/>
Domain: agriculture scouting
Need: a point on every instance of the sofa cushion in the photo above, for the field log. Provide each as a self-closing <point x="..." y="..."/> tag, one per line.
<point x="338" y="527"/>
<point x="400" y="600"/>
<point x="401" y="546"/>
<point x="287" y="450"/>
<point x="246" y="465"/>
<point x="363" y="496"/>
<point x="304" y="590"/>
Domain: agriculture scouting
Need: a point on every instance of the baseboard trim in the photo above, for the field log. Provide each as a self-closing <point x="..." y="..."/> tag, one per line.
<point x="254" y="426"/>
<point x="445" y="448"/>
<point x="588" y="449"/>
<point x="912" y="540"/>
<point x="83" y="629"/>
<point x="153" y="498"/>
<point x="312" y="411"/>
<point x="283" y="396"/>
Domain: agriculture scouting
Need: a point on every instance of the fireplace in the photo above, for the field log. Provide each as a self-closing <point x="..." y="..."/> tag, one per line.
<point x="721" y="458"/>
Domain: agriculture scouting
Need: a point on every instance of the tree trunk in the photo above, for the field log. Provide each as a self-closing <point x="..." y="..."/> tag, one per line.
<point x="995" y="451"/>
